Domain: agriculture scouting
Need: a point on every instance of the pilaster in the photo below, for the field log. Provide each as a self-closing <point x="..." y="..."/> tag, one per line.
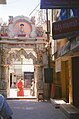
<point x="38" y="75"/>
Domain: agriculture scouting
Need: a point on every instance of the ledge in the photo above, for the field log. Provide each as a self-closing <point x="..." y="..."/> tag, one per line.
<point x="70" y="111"/>
<point x="57" y="102"/>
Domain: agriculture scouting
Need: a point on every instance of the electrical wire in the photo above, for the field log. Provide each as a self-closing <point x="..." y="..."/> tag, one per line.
<point x="34" y="9"/>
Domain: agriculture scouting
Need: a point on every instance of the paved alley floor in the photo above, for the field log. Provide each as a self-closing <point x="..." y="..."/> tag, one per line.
<point x="32" y="109"/>
<point x="13" y="93"/>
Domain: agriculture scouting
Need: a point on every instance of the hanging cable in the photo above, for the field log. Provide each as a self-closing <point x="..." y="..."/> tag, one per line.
<point x="34" y="9"/>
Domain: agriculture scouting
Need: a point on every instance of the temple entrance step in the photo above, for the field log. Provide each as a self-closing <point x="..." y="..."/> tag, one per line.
<point x="57" y="102"/>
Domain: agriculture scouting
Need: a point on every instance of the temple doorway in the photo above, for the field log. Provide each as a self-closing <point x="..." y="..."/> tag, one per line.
<point x="21" y="69"/>
<point x="23" y="45"/>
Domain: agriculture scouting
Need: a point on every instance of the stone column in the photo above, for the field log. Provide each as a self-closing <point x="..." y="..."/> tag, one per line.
<point x="38" y="76"/>
<point x="4" y="72"/>
<point x="7" y="80"/>
<point x="4" y="82"/>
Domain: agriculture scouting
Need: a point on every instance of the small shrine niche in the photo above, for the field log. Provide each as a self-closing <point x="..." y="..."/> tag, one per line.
<point x="22" y="26"/>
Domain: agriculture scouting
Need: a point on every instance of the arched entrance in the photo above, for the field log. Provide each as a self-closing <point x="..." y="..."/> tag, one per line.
<point x="22" y="46"/>
<point x="12" y="60"/>
<point x="22" y="63"/>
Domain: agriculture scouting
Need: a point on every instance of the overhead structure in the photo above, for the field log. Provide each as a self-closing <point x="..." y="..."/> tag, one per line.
<point x="2" y="1"/>
<point x="59" y="4"/>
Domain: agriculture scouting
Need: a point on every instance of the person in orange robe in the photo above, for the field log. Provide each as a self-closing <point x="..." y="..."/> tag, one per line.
<point x="20" y="87"/>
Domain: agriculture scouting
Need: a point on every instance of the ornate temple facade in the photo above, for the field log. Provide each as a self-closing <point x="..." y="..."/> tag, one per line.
<point x="21" y="38"/>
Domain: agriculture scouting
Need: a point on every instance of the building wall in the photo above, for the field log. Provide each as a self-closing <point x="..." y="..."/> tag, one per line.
<point x="69" y="74"/>
<point x="70" y="81"/>
<point x="63" y="80"/>
<point x="75" y="80"/>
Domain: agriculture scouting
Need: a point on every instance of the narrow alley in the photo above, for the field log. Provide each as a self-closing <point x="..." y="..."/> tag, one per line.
<point x="31" y="109"/>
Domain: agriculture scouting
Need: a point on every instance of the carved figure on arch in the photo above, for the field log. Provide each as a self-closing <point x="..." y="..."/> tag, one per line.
<point x="33" y="19"/>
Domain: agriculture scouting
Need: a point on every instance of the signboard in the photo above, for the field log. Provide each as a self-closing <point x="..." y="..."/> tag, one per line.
<point x="58" y="4"/>
<point x="65" y="28"/>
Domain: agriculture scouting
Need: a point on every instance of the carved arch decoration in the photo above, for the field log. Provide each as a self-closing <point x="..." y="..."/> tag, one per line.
<point x="16" y="55"/>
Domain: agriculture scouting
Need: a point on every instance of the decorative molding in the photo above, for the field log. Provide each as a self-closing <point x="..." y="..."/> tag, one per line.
<point x="17" y="55"/>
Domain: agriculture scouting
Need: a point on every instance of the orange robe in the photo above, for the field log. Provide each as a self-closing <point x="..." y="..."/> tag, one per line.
<point x="20" y="88"/>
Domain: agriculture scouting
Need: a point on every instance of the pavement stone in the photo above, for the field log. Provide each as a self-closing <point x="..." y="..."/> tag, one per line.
<point x="32" y="109"/>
